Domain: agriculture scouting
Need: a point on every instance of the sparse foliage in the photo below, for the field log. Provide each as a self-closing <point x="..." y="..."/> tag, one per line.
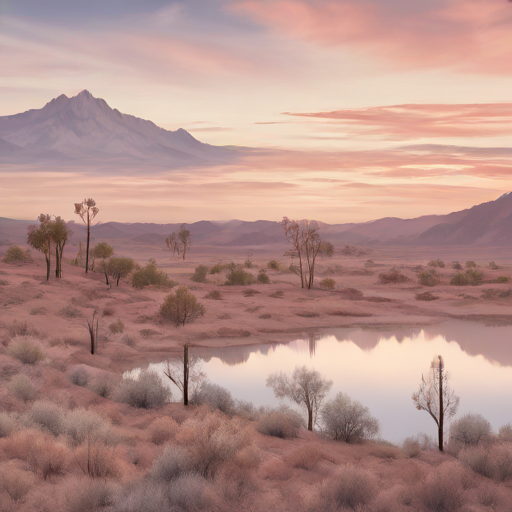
<point x="15" y="254"/>
<point x="200" y="273"/>
<point x="328" y="283"/>
<point x="119" y="268"/>
<point x="26" y="349"/>
<point x="103" y="251"/>
<point x="179" y="242"/>
<point x="429" y="277"/>
<point x="307" y="388"/>
<point x="181" y="307"/>
<point x="213" y="395"/>
<point x="145" y="392"/>
<point x="87" y="210"/>
<point x="238" y="276"/>
<point x="470" y="430"/>
<point x="435" y="396"/>
<point x="150" y="275"/>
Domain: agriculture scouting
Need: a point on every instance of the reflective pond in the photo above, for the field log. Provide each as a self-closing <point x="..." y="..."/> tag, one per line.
<point x="381" y="369"/>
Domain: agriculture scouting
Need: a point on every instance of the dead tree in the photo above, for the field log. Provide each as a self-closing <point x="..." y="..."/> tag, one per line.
<point x="93" y="327"/>
<point x="436" y="397"/>
<point x="87" y="210"/>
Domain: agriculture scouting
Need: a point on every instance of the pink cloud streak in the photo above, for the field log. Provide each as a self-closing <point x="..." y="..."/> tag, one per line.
<point x="470" y="35"/>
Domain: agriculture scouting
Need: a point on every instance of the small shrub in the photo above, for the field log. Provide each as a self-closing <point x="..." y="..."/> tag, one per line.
<point x="250" y="292"/>
<point x="273" y="265"/>
<point x="174" y="462"/>
<point x="493" y="462"/>
<point x="21" y="329"/>
<point x="70" y="312"/>
<point x="22" y="388"/>
<point x="217" y="268"/>
<point x="214" y="295"/>
<point x="200" y="274"/>
<point x="305" y="457"/>
<point x="146" y="333"/>
<point x="493" y="266"/>
<point x="459" y="279"/>
<point x="150" y="275"/>
<point x="328" y="283"/>
<point x="348" y="421"/>
<point x="181" y="307"/>
<point x="265" y="316"/>
<point x="248" y="263"/>
<point x="82" y="425"/>
<point x="411" y="446"/>
<point x="441" y="491"/>
<point x="429" y="277"/>
<point x="393" y="277"/>
<point x="116" y="327"/>
<point x="456" y="265"/>
<point x="213" y="395"/>
<point x="505" y="433"/>
<point x="26" y="349"/>
<point x="90" y="496"/>
<point x="471" y="264"/>
<point x="162" y="430"/>
<point x="16" y="484"/>
<point x="108" y="311"/>
<point x="47" y="416"/>
<point x="129" y="340"/>
<point x="470" y="430"/>
<point x="38" y="311"/>
<point x="352" y="487"/>
<point x="15" y="254"/>
<point x="502" y="279"/>
<point x="8" y="424"/>
<point x="436" y="263"/>
<point x="145" y="392"/>
<point x="283" y="423"/>
<point x="277" y="295"/>
<point x="263" y="277"/>
<point x="103" y="384"/>
<point x="188" y="493"/>
<point x="237" y="276"/>
<point x="307" y="314"/>
<point x="426" y="296"/>
<point x="474" y="277"/>
<point x="79" y="376"/>
<point x="350" y="294"/>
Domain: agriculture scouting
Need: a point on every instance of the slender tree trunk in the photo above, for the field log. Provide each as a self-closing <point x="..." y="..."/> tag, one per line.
<point x="118" y="277"/>
<point x="185" y="374"/>
<point x="48" y="266"/>
<point x="88" y="241"/>
<point x="106" y="277"/>
<point x="310" y="418"/>
<point x="441" y="407"/>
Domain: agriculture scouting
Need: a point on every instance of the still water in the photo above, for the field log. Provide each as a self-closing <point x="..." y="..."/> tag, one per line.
<point x="381" y="369"/>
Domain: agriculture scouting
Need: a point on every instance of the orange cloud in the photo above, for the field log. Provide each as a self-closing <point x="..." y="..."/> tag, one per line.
<point x="470" y="35"/>
<point x="419" y="121"/>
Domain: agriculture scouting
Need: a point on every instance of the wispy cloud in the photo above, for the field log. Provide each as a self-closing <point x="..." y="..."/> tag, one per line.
<point x="470" y="35"/>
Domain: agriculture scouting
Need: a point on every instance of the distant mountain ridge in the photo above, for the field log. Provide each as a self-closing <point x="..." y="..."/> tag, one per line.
<point x="486" y="224"/>
<point x="83" y="128"/>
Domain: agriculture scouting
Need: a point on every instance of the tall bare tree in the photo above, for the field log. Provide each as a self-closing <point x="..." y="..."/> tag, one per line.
<point x="185" y="371"/>
<point x="307" y="245"/>
<point x="39" y="237"/>
<point x="87" y="210"/>
<point x="306" y="388"/>
<point x="436" y="397"/>
<point x="179" y="242"/>
<point x="173" y="243"/>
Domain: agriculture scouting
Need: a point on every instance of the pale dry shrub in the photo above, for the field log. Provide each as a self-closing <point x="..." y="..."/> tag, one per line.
<point x="174" y="462"/>
<point x="442" y="491"/>
<point x="79" y="376"/>
<point x="488" y="495"/>
<point x="214" y="295"/>
<point x="15" y="254"/>
<point x="283" y="423"/>
<point x="505" y="433"/>
<point x="212" y="440"/>
<point x="411" y="447"/>
<point x="108" y="311"/>
<point x="103" y="384"/>
<point x="15" y="482"/>
<point x="492" y="461"/>
<point x="82" y="425"/>
<point x="213" y="395"/>
<point x="328" y="283"/>
<point x="116" y="327"/>
<point x="47" y="416"/>
<point x="22" y="388"/>
<point x="351" y="487"/>
<point x="26" y="349"/>
<point x="162" y="430"/>
<point x="470" y="430"/>
<point x="70" y="312"/>
<point x="188" y="493"/>
<point x="97" y="460"/>
<point x="306" y="457"/>
<point x="145" y="496"/>
<point x="8" y="423"/>
<point x="145" y="392"/>
<point x="129" y="340"/>
<point x="90" y="496"/>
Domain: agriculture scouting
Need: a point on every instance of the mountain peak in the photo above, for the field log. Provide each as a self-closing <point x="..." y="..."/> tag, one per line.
<point x="84" y="94"/>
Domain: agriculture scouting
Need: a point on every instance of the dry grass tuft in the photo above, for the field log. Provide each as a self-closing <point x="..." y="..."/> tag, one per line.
<point x="26" y="349"/>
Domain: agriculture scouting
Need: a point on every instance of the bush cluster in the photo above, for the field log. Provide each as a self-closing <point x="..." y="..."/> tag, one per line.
<point x="469" y="277"/>
<point x="150" y="275"/>
<point x="393" y="277"/>
<point x="15" y="254"/>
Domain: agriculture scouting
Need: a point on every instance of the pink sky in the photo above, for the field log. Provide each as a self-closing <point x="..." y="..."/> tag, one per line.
<point x="343" y="87"/>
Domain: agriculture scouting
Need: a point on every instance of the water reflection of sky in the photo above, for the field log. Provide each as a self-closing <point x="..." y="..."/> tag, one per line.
<point x="382" y="369"/>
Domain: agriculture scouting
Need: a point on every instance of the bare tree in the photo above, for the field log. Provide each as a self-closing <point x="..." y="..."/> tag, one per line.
<point x="436" y="397"/>
<point x="185" y="371"/>
<point x="39" y="237"/>
<point x="103" y="251"/>
<point x="87" y="210"/>
<point x="179" y="242"/>
<point x="93" y="327"/>
<point x="306" y="388"/>
<point x="307" y="245"/>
